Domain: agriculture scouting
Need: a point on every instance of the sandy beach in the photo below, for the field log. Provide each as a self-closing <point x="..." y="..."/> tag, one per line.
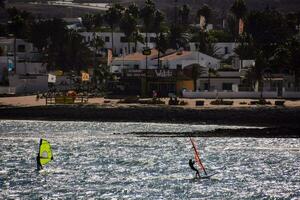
<point x="278" y="121"/>
<point x="237" y="103"/>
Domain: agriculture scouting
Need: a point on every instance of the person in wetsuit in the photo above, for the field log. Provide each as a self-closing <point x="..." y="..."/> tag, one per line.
<point x="38" y="161"/>
<point x="191" y="163"/>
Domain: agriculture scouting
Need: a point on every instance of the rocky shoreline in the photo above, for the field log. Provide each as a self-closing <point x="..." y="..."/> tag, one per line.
<point x="280" y="122"/>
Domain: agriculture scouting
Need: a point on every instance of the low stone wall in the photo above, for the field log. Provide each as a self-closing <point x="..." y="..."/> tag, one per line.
<point x="240" y="95"/>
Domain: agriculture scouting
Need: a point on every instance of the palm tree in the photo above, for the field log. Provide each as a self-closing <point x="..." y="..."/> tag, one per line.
<point x="196" y="71"/>
<point x="204" y="11"/>
<point x="112" y="18"/>
<point x="128" y="25"/>
<point x="96" y="43"/>
<point x="205" y="43"/>
<point x="147" y="15"/>
<point x="184" y="12"/>
<point x="2" y="4"/>
<point x="88" y="21"/>
<point x="177" y="37"/>
<point x="134" y="10"/>
<point x="239" y="10"/>
<point x="255" y="74"/>
<point x="158" y="28"/>
<point x="101" y="75"/>
<point x="210" y="72"/>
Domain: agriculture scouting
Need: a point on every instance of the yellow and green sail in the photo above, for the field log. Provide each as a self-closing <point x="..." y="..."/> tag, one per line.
<point x="45" y="152"/>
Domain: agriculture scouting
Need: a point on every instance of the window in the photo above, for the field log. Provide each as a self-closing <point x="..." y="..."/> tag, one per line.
<point x="106" y="39"/>
<point x="205" y="86"/>
<point x="21" y="48"/>
<point x="226" y="50"/>
<point x="152" y="39"/>
<point x="179" y="67"/>
<point x="123" y="39"/>
<point x="227" y="86"/>
<point x="136" y="66"/>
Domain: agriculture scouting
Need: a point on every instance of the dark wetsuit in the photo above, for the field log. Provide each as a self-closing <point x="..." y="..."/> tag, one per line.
<point x="38" y="161"/>
<point x="191" y="163"/>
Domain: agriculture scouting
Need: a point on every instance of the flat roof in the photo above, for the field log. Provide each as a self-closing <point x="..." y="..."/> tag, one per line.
<point x="137" y="56"/>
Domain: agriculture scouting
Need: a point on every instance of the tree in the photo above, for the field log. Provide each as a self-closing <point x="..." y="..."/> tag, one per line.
<point x="98" y="20"/>
<point x="88" y="21"/>
<point x="128" y="25"/>
<point x="61" y="48"/>
<point x="256" y="73"/>
<point x="75" y="55"/>
<point x="294" y="47"/>
<point x="177" y="37"/>
<point x="2" y="4"/>
<point x="101" y="75"/>
<point x="268" y="30"/>
<point x="134" y="10"/>
<point x="239" y="9"/>
<point x="210" y="72"/>
<point x="196" y="71"/>
<point x="204" y="11"/>
<point x="158" y="28"/>
<point x="205" y="43"/>
<point x="96" y="43"/>
<point x="112" y="17"/>
<point x="184" y="12"/>
<point x="147" y="15"/>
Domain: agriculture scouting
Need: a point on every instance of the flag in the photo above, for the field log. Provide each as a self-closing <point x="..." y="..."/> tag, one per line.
<point x="51" y="78"/>
<point x="59" y="73"/>
<point x="109" y="56"/>
<point x="241" y="26"/>
<point x="10" y="65"/>
<point x="202" y="22"/>
<point x="85" y="76"/>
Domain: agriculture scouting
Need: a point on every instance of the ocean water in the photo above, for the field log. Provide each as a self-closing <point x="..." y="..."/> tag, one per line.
<point x="94" y="160"/>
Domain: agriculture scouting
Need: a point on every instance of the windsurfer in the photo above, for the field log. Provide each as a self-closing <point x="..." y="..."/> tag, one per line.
<point x="38" y="158"/>
<point x="191" y="163"/>
<point x="38" y="162"/>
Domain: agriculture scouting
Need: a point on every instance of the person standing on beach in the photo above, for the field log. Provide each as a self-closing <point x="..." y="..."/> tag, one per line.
<point x="191" y="164"/>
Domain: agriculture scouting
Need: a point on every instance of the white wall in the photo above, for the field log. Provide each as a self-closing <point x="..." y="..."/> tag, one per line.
<point x="31" y="68"/>
<point x="118" y="45"/>
<point x="220" y="48"/>
<point x="29" y="84"/>
<point x="237" y="95"/>
<point x="195" y="57"/>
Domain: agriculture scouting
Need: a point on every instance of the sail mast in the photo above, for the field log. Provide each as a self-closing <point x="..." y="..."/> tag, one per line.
<point x="197" y="157"/>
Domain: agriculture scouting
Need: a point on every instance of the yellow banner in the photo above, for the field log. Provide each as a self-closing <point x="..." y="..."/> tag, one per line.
<point x="85" y="76"/>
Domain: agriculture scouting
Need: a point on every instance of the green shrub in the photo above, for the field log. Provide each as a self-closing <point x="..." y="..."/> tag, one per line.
<point x="221" y="102"/>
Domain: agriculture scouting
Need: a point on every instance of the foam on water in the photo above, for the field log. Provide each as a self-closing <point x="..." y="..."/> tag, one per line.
<point x="92" y="162"/>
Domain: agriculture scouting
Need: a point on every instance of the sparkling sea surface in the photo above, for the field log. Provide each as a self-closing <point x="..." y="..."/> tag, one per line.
<point x="91" y="161"/>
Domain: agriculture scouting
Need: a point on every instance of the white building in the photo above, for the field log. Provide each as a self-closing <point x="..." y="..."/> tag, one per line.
<point x="172" y="60"/>
<point x="29" y="72"/>
<point x="120" y="43"/>
<point x="223" y="49"/>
